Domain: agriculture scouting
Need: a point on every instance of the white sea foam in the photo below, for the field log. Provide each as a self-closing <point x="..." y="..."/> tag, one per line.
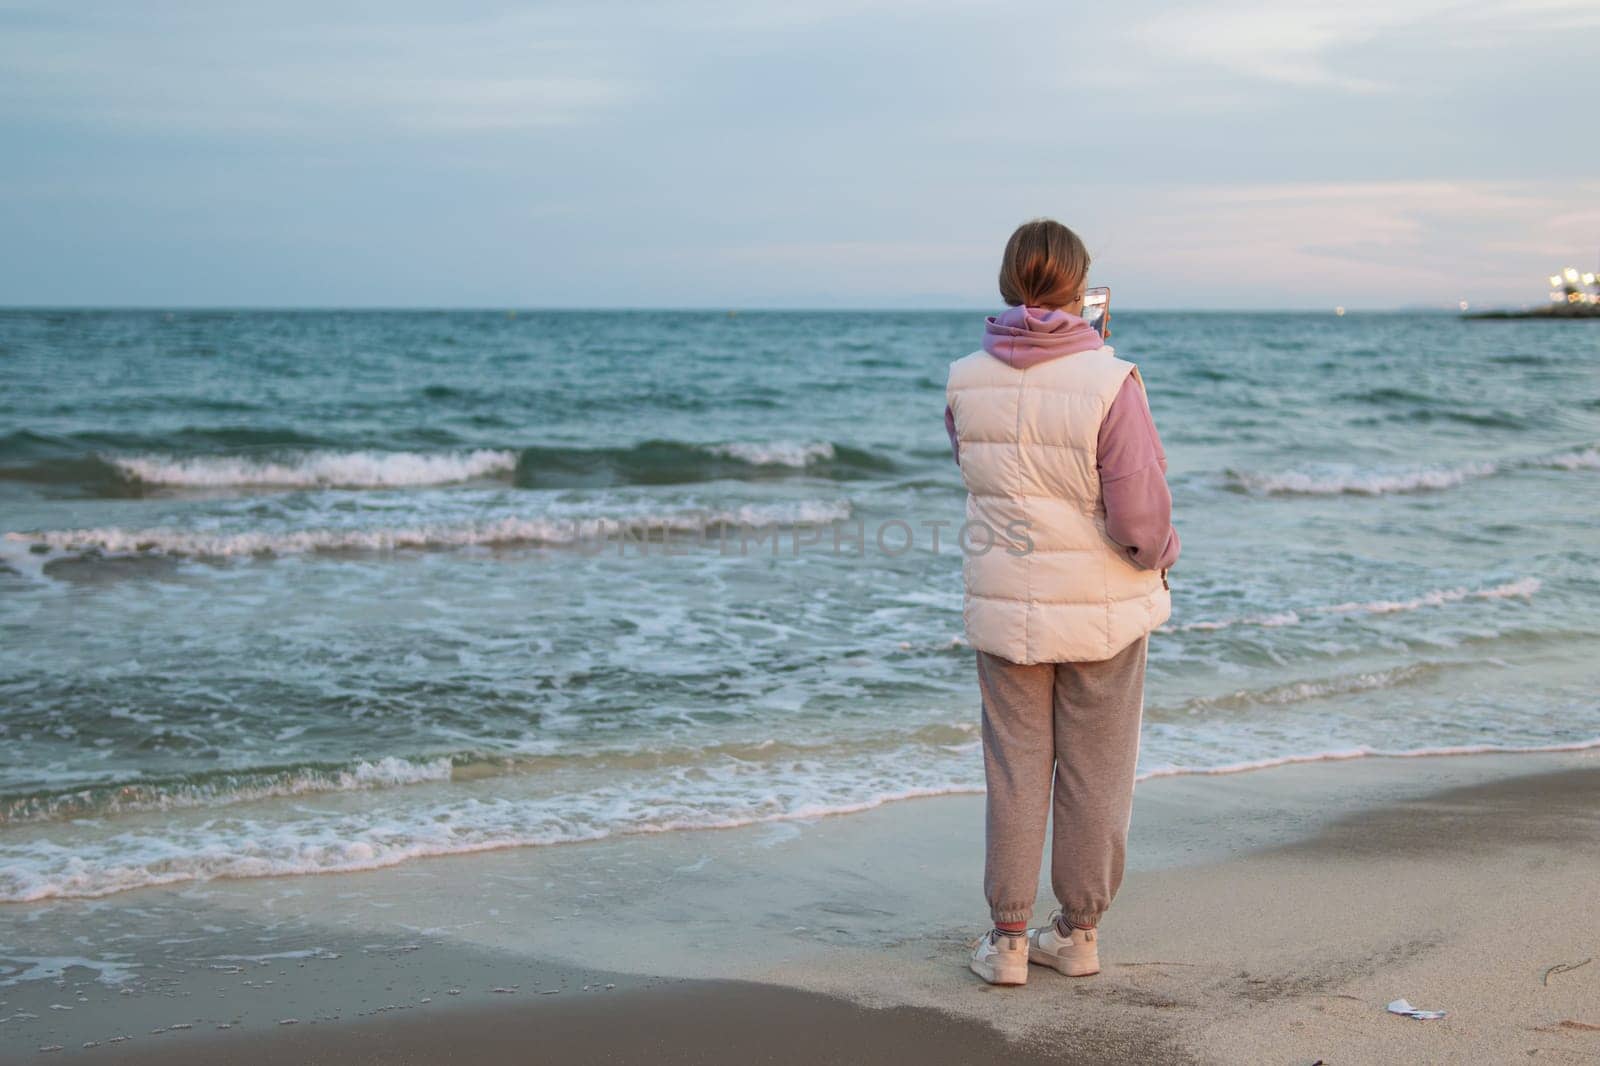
<point x="796" y="454"/>
<point x="317" y="841"/>
<point x="1361" y="483"/>
<point x="1344" y="754"/>
<point x="499" y="532"/>
<point x="1524" y="588"/>
<point x="1322" y="688"/>
<point x="1580" y="459"/>
<point x="321" y="842"/>
<point x="316" y="469"/>
<point x="1357" y="482"/>
<point x="1267" y="621"/>
<point x="27" y="968"/>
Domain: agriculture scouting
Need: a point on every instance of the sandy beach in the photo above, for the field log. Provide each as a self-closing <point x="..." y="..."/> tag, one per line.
<point x="1267" y="917"/>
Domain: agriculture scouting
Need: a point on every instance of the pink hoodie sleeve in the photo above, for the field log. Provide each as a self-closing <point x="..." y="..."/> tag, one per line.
<point x="1133" y="480"/>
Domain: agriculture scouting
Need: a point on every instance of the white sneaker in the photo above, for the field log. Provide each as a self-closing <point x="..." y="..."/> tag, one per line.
<point x="1077" y="955"/>
<point x="1001" y="960"/>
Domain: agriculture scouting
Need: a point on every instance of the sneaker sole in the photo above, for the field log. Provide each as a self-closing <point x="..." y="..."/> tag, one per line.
<point x="1004" y="979"/>
<point x="1061" y="966"/>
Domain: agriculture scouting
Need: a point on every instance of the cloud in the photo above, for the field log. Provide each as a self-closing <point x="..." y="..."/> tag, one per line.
<point x="220" y="71"/>
<point x="1369" y="244"/>
<point x="1312" y="45"/>
<point x="851" y="152"/>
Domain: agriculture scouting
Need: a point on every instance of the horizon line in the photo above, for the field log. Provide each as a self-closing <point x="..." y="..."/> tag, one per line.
<point x="724" y="309"/>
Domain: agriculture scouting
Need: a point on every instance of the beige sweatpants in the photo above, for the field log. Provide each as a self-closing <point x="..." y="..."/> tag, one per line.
<point x="1076" y="724"/>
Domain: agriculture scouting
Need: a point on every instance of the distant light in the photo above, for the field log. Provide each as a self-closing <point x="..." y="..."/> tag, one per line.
<point x="1339" y="311"/>
<point x="1555" y="279"/>
<point x="1588" y="279"/>
<point x="1462" y="305"/>
<point x="1571" y="273"/>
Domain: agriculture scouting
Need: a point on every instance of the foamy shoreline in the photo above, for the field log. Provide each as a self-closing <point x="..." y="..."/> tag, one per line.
<point x="94" y="873"/>
<point x="876" y="906"/>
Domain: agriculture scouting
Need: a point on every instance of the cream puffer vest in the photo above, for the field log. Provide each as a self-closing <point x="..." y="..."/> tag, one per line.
<point x="1053" y="587"/>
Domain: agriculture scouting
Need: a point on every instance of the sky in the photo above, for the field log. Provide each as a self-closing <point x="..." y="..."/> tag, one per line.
<point x="811" y="154"/>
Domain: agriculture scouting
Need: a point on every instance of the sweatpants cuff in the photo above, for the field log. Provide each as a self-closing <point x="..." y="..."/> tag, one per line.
<point x="1082" y="919"/>
<point x="1011" y="912"/>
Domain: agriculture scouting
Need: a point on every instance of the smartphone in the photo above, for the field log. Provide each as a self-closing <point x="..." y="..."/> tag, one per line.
<point x="1097" y="308"/>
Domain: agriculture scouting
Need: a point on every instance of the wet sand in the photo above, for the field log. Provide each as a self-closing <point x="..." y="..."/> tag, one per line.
<point x="677" y="1023"/>
<point x="1267" y="917"/>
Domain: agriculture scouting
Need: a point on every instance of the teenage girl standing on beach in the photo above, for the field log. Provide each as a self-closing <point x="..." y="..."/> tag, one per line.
<point x="1066" y="476"/>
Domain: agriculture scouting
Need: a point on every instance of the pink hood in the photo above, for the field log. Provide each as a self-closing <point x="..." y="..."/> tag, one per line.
<point x="1024" y="336"/>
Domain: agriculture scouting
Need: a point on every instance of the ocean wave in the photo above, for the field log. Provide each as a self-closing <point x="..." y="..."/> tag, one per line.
<point x="330" y="841"/>
<point x="337" y="838"/>
<point x="316" y="469"/>
<point x="1345" y="754"/>
<point x="1321" y="688"/>
<point x="651" y="462"/>
<point x="1525" y="588"/>
<point x="669" y="462"/>
<point x="504" y="532"/>
<point x="795" y="454"/>
<point x="1577" y="459"/>
<point x="1386" y="482"/>
<point x="216" y="789"/>
<point x="92" y="468"/>
<point x="1357" y="483"/>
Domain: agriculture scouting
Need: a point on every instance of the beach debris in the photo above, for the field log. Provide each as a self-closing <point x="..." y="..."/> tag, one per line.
<point x="182" y="1025"/>
<point x="453" y="992"/>
<point x="50" y="1047"/>
<point x="506" y="991"/>
<point x="609" y="987"/>
<point x="1564" y="967"/>
<point x="425" y="999"/>
<point x="59" y="1006"/>
<point x="1403" y="1007"/>
<point x="550" y="992"/>
<point x="224" y="1025"/>
<point x="91" y="1043"/>
<point x="118" y="1039"/>
<point x="288" y="1021"/>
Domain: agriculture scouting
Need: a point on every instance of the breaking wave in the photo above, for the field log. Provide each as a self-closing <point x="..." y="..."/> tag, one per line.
<point x="98" y="471"/>
<point x="340" y="470"/>
<point x="1387" y="482"/>
<point x="502" y="532"/>
<point x="1302" y="691"/>
<point x="219" y="788"/>
<point x="1356" y="483"/>
<point x="1524" y="588"/>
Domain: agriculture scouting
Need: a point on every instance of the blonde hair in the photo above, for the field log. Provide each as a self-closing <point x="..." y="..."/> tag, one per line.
<point x="1045" y="265"/>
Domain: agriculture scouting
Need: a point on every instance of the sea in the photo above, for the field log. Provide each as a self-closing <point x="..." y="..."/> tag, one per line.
<point x="304" y="592"/>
